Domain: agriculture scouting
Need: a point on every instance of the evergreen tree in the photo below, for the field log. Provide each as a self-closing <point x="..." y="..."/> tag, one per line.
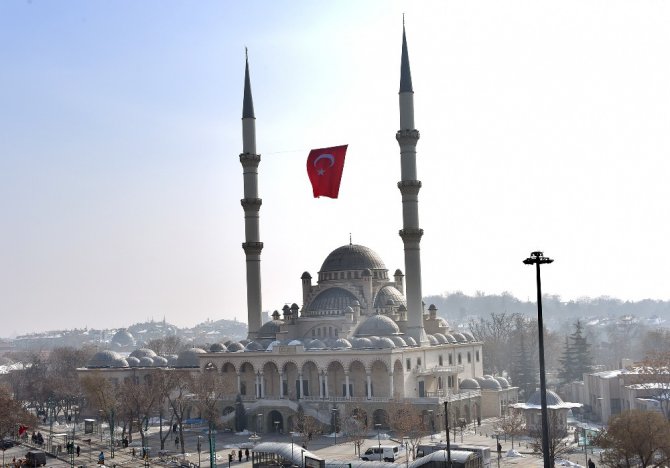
<point x="524" y="370"/>
<point x="240" y="414"/>
<point x="576" y="359"/>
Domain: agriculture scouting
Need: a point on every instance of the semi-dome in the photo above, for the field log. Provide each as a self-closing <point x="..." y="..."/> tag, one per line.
<point x="133" y="361"/>
<point x="469" y="384"/>
<point x="389" y="295"/>
<point x="331" y="300"/>
<point x="143" y="352"/>
<point x="377" y="325"/>
<point x="352" y="257"/>
<point x="269" y="329"/>
<point x="107" y="358"/>
<point x="123" y="338"/>
<point x="146" y="361"/>
<point x="234" y="347"/>
<point x="189" y="357"/>
<point x="172" y="359"/>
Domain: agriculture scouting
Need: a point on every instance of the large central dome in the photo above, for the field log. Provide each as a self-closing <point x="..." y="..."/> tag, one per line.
<point x="352" y="257"/>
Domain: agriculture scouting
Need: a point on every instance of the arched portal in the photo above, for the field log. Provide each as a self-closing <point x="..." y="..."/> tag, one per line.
<point x="247" y="380"/>
<point x="276" y="422"/>
<point x="310" y="380"/>
<point x="380" y="380"/>
<point x="398" y="380"/>
<point x="336" y="380"/>
<point x="271" y="380"/>
<point x="381" y="417"/>
<point x="358" y="379"/>
<point x="290" y="380"/>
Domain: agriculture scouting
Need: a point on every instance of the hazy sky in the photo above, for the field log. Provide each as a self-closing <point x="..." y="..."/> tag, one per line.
<point x="544" y="125"/>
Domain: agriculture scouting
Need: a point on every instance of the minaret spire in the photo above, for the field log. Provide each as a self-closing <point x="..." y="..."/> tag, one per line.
<point x="251" y="204"/>
<point x="409" y="187"/>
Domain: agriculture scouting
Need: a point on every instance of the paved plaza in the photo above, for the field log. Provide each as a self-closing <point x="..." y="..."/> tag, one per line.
<point x="322" y="446"/>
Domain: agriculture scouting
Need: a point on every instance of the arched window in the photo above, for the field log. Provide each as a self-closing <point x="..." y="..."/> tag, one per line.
<point x="460" y="358"/>
<point x="440" y="361"/>
<point x="469" y="357"/>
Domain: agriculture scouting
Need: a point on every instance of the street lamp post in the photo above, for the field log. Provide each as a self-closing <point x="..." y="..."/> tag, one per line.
<point x="379" y="441"/>
<point x="292" y="433"/>
<point x="432" y="424"/>
<point x="199" y="450"/>
<point x="537" y="259"/>
<point x="446" y="429"/>
<point x="405" y="441"/>
<point x="334" y="412"/>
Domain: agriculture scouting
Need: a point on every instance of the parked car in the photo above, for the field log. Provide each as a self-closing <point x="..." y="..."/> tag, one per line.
<point x="385" y="452"/>
<point x="36" y="458"/>
<point x="7" y="443"/>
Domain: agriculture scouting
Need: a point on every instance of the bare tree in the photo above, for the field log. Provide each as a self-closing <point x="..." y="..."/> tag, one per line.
<point x="511" y="425"/>
<point x="13" y="415"/>
<point x="408" y="422"/>
<point x="180" y="400"/>
<point x="139" y="402"/>
<point x="356" y="426"/>
<point x="653" y="373"/>
<point x="496" y="334"/>
<point x="557" y="435"/>
<point x="307" y="426"/>
<point x="635" y="438"/>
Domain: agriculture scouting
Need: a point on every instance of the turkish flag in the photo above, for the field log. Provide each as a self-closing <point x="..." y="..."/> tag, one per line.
<point x="324" y="168"/>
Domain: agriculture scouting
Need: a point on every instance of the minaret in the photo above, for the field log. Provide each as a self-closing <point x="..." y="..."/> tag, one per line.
<point x="252" y="205"/>
<point x="409" y="187"/>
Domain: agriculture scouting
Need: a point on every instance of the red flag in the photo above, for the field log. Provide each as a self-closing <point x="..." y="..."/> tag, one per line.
<point x="324" y="168"/>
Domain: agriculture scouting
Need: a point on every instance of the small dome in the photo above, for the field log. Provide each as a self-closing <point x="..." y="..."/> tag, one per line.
<point x="272" y="345"/>
<point x="146" y="361"/>
<point x="503" y="382"/>
<point x="342" y="343"/>
<point x="352" y="257"/>
<point x="160" y="361"/>
<point x="123" y="338"/>
<point x="398" y="273"/>
<point x="469" y="384"/>
<point x="442" y="323"/>
<point x="172" y="360"/>
<point x="410" y="341"/>
<point x="362" y="343"/>
<point x="374" y="341"/>
<point x="103" y="359"/>
<point x="450" y="338"/>
<point x="441" y="338"/>
<point x="432" y="340"/>
<point x="189" y="357"/>
<point x="552" y="399"/>
<point x="399" y="342"/>
<point x="377" y="325"/>
<point x="234" y="347"/>
<point x="295" y="343"/>
<point x="460" y="338"/>
<point x="389" y="294"/>
<point x="133" y="361"/>
<point x="306" y="275"/>
<point x="469" y="336"/>
<point x="316" y="344"/>
<point x="254" y="346"/>
<point x="245" y="342"/>
<point x="488" y="384"/>
<point x="143" y="352"/>
<point x="217" y="348"/>
<point x="386" y="343"/>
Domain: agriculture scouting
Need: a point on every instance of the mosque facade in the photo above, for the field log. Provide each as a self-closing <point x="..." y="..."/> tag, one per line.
<point x="362" y="340"/>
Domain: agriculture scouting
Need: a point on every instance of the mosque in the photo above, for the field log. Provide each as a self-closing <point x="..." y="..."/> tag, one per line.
<point x="362" y="340"/>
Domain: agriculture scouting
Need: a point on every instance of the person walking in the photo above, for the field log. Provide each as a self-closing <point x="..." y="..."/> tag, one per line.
<point x="239" y="455"/>
<point x="246" y="453"/>
<point x="499" y="450"/>
<point x="101" y="458"/>
<point x="591" y="464"/>
<point x="78" y="450"/>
